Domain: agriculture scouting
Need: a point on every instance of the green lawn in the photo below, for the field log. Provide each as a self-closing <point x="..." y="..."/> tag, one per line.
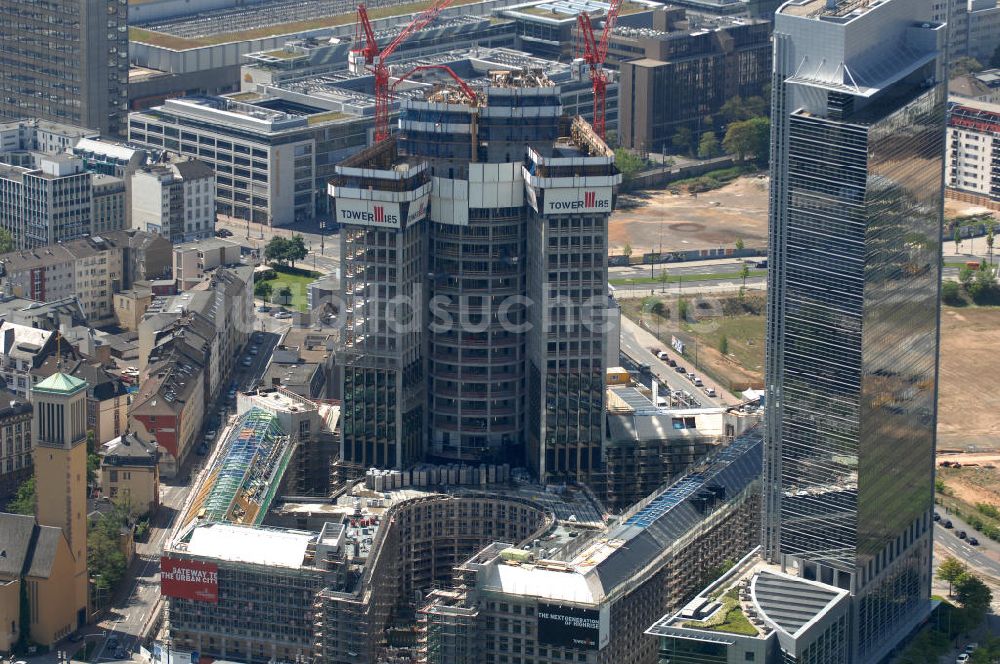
<point x="297" y="280"/>
<point x="675" y="278"/>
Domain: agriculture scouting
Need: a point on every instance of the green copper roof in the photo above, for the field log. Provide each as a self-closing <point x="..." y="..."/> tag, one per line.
<point x="60" y="383"/>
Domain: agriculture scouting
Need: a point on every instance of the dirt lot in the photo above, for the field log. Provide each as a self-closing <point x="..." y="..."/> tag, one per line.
<point x="972" y="485"/>
<point x="953" y="208"/>
<point x="969" y="403"/>
<point x="713" y="219"/>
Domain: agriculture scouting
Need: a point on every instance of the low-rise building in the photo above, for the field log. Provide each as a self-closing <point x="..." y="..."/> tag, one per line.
<point x="130" y="306"/>
<point x="193" y="259"/>
<point x="15" y="442"/>
<point x="972" y="162"/>
<point x="175" y="200"/>
<point x="978" y="86"/>
<point x="130" y="472"/>
<point x="23" y="348"/>
<point x="91" y="269"/>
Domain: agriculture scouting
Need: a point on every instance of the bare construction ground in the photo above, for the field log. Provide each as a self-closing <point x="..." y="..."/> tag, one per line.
<point x="968" y="402"/>
<point x="681" y="222"/>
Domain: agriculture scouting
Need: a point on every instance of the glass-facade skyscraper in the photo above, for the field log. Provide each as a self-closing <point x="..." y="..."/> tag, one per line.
<point x="858" y="110"/>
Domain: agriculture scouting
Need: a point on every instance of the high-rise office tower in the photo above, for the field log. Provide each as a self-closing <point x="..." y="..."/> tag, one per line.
<point x="852" y="337"/>
<point x="65" y="61"/>
<point x="474" y="271"/>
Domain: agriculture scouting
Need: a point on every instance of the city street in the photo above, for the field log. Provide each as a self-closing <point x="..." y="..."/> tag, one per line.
<point x="323" y="246"/>
<point x="636" y="342"/>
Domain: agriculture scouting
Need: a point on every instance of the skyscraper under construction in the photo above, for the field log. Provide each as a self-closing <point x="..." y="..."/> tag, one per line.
<point x="474" y="274"/>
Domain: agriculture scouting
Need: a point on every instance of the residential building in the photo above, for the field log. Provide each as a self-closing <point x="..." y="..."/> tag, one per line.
<point x="851" y="375"/>
<point x="972" y="161"/>
<point x="130" y="472"/>
<point x="81" y="78"/>
<point x="175" y="200"/>
<point x="978" y="86"/>
<point x="15" y="443"/>
<point x="59" y="434"/>
<point x="63" y="313"/>
<point x="92" y="269"/>
<point x="23" y="348"/>
<point x="684" y="67"/>
<point x="107" y="396"/>
<point x="444" y="200"/>
<point x="107" y="205"/>
<point x="131" y="305"/>
<point x="168" y="410"/>
<point x="304" y="362"/>
<point x="192" y="260"/>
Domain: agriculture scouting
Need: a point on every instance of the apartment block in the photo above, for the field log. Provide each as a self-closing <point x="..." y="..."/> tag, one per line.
<point x="176" y="200"/>
<point x="972" y="161"/>
<point x="192" y="260"/>
<point x="15" y="441"/>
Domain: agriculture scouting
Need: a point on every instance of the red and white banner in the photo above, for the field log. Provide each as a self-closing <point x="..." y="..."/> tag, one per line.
<point x="577" y="199"/>
<point x="189" y="579"/>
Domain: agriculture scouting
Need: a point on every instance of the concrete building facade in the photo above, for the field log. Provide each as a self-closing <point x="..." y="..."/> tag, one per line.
<point x="15" y="442"/>
<point x="972" y="161"/>
<point x="84" y="47"/>
<point x="175" y="200"/>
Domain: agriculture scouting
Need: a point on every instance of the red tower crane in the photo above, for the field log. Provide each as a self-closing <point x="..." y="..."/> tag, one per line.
<point x="594" y="54"/>
<point x="374" y="58"/>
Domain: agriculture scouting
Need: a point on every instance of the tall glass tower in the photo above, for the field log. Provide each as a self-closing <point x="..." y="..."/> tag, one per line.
<point x="858" y="114"/>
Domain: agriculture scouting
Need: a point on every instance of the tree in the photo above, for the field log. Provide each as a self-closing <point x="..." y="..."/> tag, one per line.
<point x="682" y="309"/>
<point x="950" y="293"/>
<point x="950" y="569"/>
<point x="683" y="140"/>
<point x="983" y="283"/>
<point x="744" y="273"/>
<point x="989" y="239"/>
<point x="962" y="66"/>
<point x="627" y="251"/>
<point x="93" y="459"/>
<point x="724" y="345"/>
<point x="739" y="244"/>
<point x="25" y="499"/>
<point x="104" y="558"/>
<point x="663" y="278"/>
<point x="973" y="595"/>
<point x="263" y="290"/>
<point x="734" y="110"/>
<point x="285" y="294"/>
<point x="6" y="241"/>
<point x="965" y="276"/>
<point x="749" y="137"/>
<point x="995" y="58"/>
<point x="276" y="251"/>
<point x="957" y="237"/>
<point x="629" y="164"/>
<point x="757" y="106"/>
<point x="708" y="146"/>
<point x="295" y="249"/>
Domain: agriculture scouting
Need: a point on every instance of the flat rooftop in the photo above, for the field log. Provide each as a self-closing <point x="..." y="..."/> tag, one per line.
<point x="245" y="544"/>
<point x="260" y="21"/>
<point x="820" y="9"/>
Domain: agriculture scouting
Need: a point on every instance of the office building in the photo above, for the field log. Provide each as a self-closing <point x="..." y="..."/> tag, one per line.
<point x="859" y="114"/>
<point x="47" y="202"/>
<point x="66" y="61"/>
<point x="15" y="442"/>
<point x="681" y="68"/>
<point x="972" y="161"/>
<point x="973" y="27"/>
<point x="175" y="200"/>
<point x="193" y="260"/>
<point x="454" y="200"/>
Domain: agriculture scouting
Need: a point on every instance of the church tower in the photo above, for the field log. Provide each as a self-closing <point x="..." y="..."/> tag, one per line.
<point x="60" y="438"/>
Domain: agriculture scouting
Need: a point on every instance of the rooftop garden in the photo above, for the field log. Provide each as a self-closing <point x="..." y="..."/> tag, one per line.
<point x="728" y="618"/>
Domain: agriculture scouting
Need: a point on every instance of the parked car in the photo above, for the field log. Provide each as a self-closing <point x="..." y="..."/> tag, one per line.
<point x="691" y="376"/>
<point x="247" y="361"/>
<point x="663" y="355"/>
<point x="264" y="309"/>
<point x="210" y="434"/>
<point x="656" y="351"/>
<point x="281" y="315"/>
<point x="971" y="648"/>
<point x="697" y="382"/>
<point x="679" y="369"/>
<point x="947" y="523"/>
<point x="963" y="658"/>
<point x="223" y="232"/>
<point x="961" y="534"/>
<point x="672" y="363"/>
<point x="710" y="391"/>
<point x="937" y="517"/>
<point x="254" y="350"/>
<point x="973" y="541"/>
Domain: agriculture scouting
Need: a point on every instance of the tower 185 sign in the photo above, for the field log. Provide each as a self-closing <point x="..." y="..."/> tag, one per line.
<point x="577" y="199"/>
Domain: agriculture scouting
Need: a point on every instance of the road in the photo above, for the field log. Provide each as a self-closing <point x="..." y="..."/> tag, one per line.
<point x="636" y="342"/>
<point x="323" y="246"/>
<point x="984" y="559"/>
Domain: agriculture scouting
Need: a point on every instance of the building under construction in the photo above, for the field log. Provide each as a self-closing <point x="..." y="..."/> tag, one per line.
<point x="474" y="267"/>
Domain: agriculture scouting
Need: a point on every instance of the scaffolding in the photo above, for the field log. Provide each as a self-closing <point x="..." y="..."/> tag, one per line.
<point x="246" y="473"/>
